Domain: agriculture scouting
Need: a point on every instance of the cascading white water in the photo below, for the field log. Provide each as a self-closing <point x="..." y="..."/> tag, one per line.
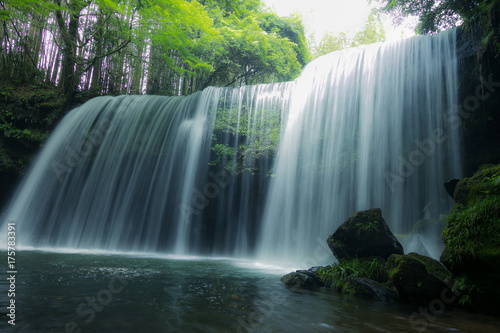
<point x="361" y="128"/>
<point x="132" y="173"/>
<point x="366" y="129"/>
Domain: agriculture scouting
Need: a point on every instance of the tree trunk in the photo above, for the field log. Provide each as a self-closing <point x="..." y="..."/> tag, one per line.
<point x="69" y="34"/>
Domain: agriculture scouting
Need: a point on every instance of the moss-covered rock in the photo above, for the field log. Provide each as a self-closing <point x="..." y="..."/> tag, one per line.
<point x="484" y="184"/>
<point x="472" y="235"/>
<point x="418" y="278"/>
<point x="365" y="234"/>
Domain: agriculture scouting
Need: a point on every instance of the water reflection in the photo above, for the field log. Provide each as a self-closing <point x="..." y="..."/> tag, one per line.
<point x="61" y="292"/>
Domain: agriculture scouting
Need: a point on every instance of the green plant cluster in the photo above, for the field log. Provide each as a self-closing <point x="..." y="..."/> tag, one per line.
<point x="466" y="288"/>
<point x="337" y="276"/>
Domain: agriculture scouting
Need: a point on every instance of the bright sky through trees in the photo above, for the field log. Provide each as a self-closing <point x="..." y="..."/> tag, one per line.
<point x="335" y="16"/>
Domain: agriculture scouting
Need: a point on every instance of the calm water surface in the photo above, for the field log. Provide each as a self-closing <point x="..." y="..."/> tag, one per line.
<point x="75" y="292"/>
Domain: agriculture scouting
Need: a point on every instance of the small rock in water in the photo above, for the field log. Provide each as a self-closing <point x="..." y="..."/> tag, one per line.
<point x="302" y="279"/>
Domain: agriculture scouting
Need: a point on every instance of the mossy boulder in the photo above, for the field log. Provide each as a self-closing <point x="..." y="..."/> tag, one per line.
<point x="365" y="234"/>
<point x="472" y="234"/>
<point x="483" y="184"/>
<point x="417" y="278"/>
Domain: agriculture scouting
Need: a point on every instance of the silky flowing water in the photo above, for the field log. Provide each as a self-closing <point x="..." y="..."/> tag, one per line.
<point x="266" y="173"/>
<point x="261" y="171"/>
<point x="91" y="292"/>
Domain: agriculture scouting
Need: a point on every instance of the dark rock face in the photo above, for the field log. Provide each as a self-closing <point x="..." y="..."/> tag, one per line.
<point x="365" y="234"/>
<point x="367" y="288"/>
<point x="302" y="279"/>
<point x="450" y="186"/>
<point x="418" y="278"/>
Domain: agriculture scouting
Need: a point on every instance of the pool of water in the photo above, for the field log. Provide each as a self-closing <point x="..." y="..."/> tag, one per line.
<point x="88" y="292"/>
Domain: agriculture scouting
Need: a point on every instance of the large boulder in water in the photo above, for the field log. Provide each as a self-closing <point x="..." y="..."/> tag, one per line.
<point x="418" y="278"/>
<point x="365" y="234"/>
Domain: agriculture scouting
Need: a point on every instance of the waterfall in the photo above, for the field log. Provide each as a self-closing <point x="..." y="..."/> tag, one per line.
<point x="265" y="170"/>
<point x="367" y="130"/>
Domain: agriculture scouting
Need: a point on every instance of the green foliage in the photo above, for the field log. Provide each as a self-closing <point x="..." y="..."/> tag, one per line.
<point x="290" y="28"/>
<point x="337" y="275"/>
<point x="473" y="227"/>
<point x="168" y="47"/>
<point x="248" y="54"/>
<point x="434" y="15"/>
<point x="331" y="42"/>
<point x="373" y="32"/>
<point x="178" y="25"/>
<point x="466" y="289"/>
<point x="242" y="136"/>
<point x="27" y="113"/>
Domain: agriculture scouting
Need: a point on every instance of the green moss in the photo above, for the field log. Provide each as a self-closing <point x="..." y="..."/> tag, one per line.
<point x="474" y="230"/>
<point x="472" y="238"/>
<point x="484" y="183"/>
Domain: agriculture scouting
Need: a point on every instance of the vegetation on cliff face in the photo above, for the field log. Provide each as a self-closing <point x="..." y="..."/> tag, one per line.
<point x="244" y="136"/>
<point x="27" y="113"/>
<point x="473" y="227"/>
<point x="472" y="236"/>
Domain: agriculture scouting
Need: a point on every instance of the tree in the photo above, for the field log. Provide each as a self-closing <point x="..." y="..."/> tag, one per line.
<point x="373" y="32"/>
<point x="171" y="47"/>
<point x="253" y="49"/>
<point x="435" y="15"/>
<point x="290" y="28"/>
<point x="331" y="42"/>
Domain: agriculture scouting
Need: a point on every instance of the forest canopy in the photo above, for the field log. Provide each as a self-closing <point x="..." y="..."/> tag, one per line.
<point x="434" y="16"/>
<point x="169" y="47"/>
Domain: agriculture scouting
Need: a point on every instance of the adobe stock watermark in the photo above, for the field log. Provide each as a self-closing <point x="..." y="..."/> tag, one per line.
<point x="200" y="200"/>
<point x="74" y="155"/>
<point x="426" y="148"/>
<point x="419" y="320"/>
<point x="255" y="319"/>
<point x="86" y="311"/>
